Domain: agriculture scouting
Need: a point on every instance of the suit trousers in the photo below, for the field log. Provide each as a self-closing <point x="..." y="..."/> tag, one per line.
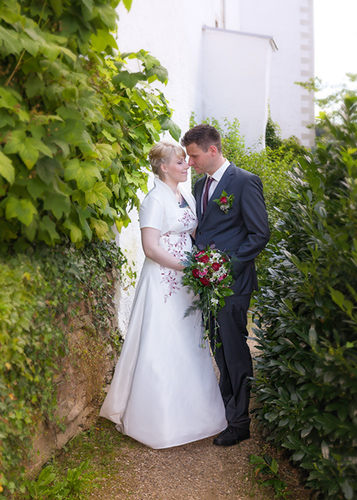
<point x="234" y="360"/>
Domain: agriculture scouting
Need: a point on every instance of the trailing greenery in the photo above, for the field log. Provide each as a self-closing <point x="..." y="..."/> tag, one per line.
<point x="306" y="373"/>
<point x="37" y="292"/>
<point x="75" y="124"/>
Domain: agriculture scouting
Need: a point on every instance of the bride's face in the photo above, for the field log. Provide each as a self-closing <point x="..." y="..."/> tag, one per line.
<point x="175" y="170"/>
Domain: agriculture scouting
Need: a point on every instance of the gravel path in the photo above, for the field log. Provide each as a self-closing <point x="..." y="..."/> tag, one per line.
<point x="125" y="469"/>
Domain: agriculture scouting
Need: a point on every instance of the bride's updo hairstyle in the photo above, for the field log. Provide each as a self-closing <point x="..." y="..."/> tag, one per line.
<point x="161" y="153"/>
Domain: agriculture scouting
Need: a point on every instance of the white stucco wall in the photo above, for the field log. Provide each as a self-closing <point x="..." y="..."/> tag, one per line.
<point x="172" y="32"/>
<point x="216" y="73"/>
<point x="236" y="66"/>
<point x="291" y="24"/>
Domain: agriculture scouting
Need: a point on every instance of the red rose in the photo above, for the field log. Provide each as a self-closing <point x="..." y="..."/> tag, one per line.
<point x="199" y="253"/>
<point x="216" y="266"/>
<point x="195" y="273"/>
<point x="204" y="281"/>
<point x="204" y="258"/>
<point x="223" y="200"/>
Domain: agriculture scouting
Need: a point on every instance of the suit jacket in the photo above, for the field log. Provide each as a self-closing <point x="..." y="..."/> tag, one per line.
<point x="243" y="232"/>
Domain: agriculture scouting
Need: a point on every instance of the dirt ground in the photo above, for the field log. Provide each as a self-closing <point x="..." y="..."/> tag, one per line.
<point x="195" y="471"/>
<point x="121" y="468"/>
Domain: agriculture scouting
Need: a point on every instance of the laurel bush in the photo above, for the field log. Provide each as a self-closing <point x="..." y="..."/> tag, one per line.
<point x="306" y="316"/>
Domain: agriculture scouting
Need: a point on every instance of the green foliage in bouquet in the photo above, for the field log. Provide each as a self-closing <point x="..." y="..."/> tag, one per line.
<point x="208" y="274"/>
<point x="306" y="372"/>
<point x="75" y="123"/>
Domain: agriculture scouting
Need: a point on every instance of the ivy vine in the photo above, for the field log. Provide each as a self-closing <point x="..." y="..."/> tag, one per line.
<point x="37" y="293"/>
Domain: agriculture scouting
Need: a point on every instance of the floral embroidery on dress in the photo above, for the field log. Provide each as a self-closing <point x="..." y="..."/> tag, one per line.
<point x="187" y="218"/>
<point x="169" y="276"/>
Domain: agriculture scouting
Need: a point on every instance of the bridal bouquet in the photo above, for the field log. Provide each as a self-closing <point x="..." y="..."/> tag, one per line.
<point x="208" y="274"/>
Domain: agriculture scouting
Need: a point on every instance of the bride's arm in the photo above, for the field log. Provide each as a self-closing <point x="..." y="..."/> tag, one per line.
<point x="150" y="241"/>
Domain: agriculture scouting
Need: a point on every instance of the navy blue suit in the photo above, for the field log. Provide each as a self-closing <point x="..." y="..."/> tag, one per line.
<point x="242" y="233"/>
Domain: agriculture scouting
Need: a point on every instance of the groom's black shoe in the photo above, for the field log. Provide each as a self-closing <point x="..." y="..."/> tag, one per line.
<point x="230" y="436"/>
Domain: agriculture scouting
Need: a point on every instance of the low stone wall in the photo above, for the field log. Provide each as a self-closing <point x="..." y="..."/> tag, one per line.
<point x="84" y="371"/>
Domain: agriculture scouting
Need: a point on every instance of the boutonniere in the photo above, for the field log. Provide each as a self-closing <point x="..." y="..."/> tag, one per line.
<point x="225" y="202"/>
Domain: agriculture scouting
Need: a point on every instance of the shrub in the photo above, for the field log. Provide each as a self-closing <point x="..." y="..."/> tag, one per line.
<point x="306" y="373"/>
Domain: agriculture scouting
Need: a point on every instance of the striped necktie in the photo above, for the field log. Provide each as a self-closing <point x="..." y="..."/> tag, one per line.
<point x="205" y="195"/>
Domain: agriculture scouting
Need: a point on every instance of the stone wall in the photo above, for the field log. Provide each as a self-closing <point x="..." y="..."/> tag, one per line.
<point x="84" y="371"/>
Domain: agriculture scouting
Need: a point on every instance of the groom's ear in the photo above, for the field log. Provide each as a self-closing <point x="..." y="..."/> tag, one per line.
<point x="212" y="150"/>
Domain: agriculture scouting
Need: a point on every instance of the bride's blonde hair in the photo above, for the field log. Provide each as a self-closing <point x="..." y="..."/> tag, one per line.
<point x="161" y="153"/>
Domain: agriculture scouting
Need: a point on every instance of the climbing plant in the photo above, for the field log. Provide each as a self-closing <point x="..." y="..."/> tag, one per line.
<point x="75" y="122"/>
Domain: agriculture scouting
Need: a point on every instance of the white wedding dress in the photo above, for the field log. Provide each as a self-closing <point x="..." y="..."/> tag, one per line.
<point x="164" y="391"/>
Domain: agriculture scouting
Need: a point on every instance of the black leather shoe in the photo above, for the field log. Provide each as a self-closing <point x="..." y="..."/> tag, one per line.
<point x="231" y="436"/>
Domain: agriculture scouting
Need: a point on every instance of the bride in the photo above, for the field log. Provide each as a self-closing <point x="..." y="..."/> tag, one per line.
<point x="164" y="391"/>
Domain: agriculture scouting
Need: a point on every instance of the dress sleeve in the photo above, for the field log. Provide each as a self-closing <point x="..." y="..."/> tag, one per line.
<point x="151" y="213"/>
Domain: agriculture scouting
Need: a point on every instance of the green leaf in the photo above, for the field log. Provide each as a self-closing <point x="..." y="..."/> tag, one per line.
<point x="46" y="168"/>
<point x="11" y="41"/>
<point x="27" y="147"/>
<point x="157" y="72"/>
<point x="167" y="124"/>
<point x="347" y="490"/>
<point x="102" y="39"/>
<point x="75" y="233"/>
<point x="274" y="466"/>
<point x="6" y="168"/>
<point x="35" y="187"/>
<point x="48" y="225"/>
<point x="84" y="214"/>
<point x="107" y="15"/>
<point x="127" y="4"/>
<point x="72" y="132"/>
<point x="57" y="7"/>
<point x="21" y="209"/>
<point x="312" y="336"/>
<point x="99" y="195"/>
<point x="58" y="203"/>
<point x="84" y="173"/>
<point x="100" y="227"/>
<point x="128" y="79"/>
<point x="8" y="99"/>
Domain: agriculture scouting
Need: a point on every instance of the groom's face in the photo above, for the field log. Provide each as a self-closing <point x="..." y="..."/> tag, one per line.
<point x="200" y="160"/>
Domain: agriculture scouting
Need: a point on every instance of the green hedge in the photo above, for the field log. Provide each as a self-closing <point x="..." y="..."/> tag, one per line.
<point x="35" y="291"/>
<point x="306" y="373"/>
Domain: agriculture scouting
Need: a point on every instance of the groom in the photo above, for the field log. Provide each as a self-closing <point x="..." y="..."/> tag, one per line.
<point x="238" y="225"/>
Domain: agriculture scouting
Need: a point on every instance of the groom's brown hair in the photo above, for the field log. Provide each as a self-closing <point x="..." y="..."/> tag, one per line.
<point x="204" y="136"/>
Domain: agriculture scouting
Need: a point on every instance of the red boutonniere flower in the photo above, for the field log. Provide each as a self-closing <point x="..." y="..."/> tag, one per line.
<point x="225" y="202"/>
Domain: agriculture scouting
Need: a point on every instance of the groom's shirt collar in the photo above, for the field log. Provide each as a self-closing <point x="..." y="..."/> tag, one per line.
<point x="217" y="176"/>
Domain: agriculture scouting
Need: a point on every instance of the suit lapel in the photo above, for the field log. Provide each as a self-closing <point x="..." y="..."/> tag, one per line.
<point x="221" y="186"/>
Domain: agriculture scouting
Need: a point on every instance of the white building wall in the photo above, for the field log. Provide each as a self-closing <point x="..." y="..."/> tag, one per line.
<point x="290" y="22"/>
<point x="220" y="74"/>
<point x="233" y="87"/>
<point x="172" y="31"/>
